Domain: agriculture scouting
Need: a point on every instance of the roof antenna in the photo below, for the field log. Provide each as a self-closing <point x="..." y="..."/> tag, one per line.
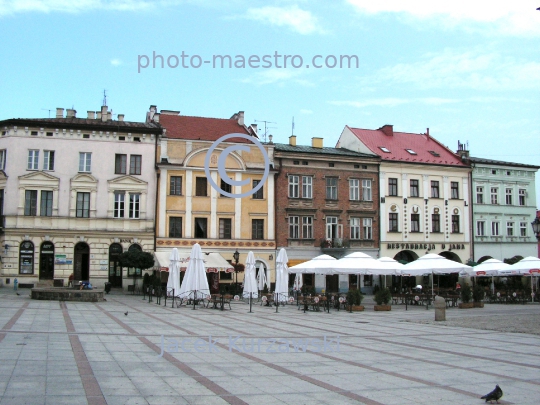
<point x="46" y="109"/>
<point x="104" y="97"/>
<point x="266" y="128"/>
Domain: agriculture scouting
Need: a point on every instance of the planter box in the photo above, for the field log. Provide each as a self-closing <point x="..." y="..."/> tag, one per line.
<point x="357" y="308"/>
<point x="464" y="305"/>
<point x="478" y="304"/>
<point x="382" y="307"/>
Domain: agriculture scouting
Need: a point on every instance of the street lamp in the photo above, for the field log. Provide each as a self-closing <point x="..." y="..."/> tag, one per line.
<point x="536" y="227"/>
<point x="236" y="257"/>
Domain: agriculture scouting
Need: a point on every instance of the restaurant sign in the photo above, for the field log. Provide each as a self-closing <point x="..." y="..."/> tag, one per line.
<point x="426" y="246"/>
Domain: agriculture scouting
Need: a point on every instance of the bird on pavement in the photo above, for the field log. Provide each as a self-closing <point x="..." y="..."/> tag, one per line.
<point x="125" y="313"/>
<point x="17" y="293"/>
<point x="494" y="395"/>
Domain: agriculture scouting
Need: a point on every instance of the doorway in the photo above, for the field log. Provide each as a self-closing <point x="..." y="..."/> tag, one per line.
<point x="46" y="261"/>
<point x="115" y="270"/>
<point x="332" y="283"/>
<point x="81" y="262"/>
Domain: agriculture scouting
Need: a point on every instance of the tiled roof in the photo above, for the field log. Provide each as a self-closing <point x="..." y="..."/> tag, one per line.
<point x="501" y="163"/>
<point x="283" y="147"/>
<point x="83" y="123"/>
<point x="398" y="144"/>
<point x="201" y="128"/>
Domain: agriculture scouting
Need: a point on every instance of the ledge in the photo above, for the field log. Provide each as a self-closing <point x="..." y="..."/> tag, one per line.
<point x="67" y="294"/>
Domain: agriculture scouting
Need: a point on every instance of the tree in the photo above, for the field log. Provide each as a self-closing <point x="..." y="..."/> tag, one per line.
<point x="137" y="260"/>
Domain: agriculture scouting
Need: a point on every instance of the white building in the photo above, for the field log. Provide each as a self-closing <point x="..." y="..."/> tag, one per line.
<point x="76" y="192"/>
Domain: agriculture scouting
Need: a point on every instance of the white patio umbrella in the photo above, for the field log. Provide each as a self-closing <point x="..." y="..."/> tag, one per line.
<point x="195" y="284"/>
<point x="297" y="286"/>
<point x="261" y="277"/>
<point x="173" y="283"/>
<point x="282" y="277"/>
<point x="528" y="266"/>
<point x="391" y="265"/>
<point x="488" y="268"/>
<point x="357" y="263"/>
<point x="322" y="264"/>
<point x="432" y="264"/>
<point x="250" y="283"/>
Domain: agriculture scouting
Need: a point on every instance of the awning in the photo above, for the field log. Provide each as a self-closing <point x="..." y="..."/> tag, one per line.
<point x="213" y="262"/>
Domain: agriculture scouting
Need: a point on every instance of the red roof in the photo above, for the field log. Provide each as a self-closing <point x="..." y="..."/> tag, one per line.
<point x="201" y="128"/>
<point x="425" y="147"/>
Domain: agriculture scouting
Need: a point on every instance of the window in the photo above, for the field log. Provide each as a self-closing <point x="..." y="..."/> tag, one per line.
<point x="134" y="205"/>
<point x="225" y="187"/>
<point x="259" y="194"/>
<point x="332" y="227"/>
<point x="509" y="229"/>
<point x="33" y="159"/>
<point x="434" y="153"/>
<point x="176" y="185"/>
<point x="294" y="187"/>
<point x="120" y="164"/>
<point x="201" y="227"/>
<point x="201" y="187"/>
<point x="368" y="228"/>
<point x="307" y="227"/>
<point x="385" y="150"/>
<point x="479" y="195"/>
<point x="434" y="189"/>
<point x="257" y="229"/>
<point x="331" y="188"/>
<point x="494" y="195"/>
<point x="354" y="189"/>
<point x="415" y="192"/>
<point x="523" y="228"/>
<point x="175" y="227"/>
<point x="455" y="223"/>
<point x="355" y="228"/>
<point x="3" y="155"/>
<point x="393" y="222"/>
<point x="495" y="229"/>
<point x="454" y="189"/>
<point x="415" y="222"/>
<point x="508" y="196"/>
<point x="412" y="152"/>
<point x="48" y="160"/>
<point x="119" y="204"/>
<point x="83" y="205"/>
<point x="30" y="202"/>
<point x="85" y="162"/>
<point x="135" y="163"/>
<point x="294" y="227"/>
<point x="493" y="171"/>
<point x="392" y="187"/>
<point x="46" y="204"/>
<point x="522" y="196"/>
<point x="307" y="187"/>
<point x="366" y="190"/>
<point x="481" y="228"/>
<point x="225" y="228"/>
<point x="435" y="223"/>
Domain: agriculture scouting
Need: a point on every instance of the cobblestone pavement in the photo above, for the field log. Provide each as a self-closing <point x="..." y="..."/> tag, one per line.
<point x="91" y="353"/>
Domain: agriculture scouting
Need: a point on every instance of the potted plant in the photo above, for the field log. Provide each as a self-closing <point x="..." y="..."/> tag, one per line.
<point x="478" y="296"/>
<point x="466" y="295"/>
<point x="382" y="298"/>
<point x="354" y="300"/>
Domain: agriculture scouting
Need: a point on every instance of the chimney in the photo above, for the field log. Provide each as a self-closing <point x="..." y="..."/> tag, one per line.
<point x="98" y="113"/>
<point x="59" y="113"/>
<point x="156" y="118"/>
<point x="463" y="152"/>
<point x="104" y="114"/>
<point x="240" y="117"/>
<point x="70" y="113"/>
<point x="91" y="115"/>
<point x="427" y="132"/>
<point x="292" y="140"/>
<point x="120" y="117"/>
<point x="109" y="116"/>
<point x="317" y="142"/>
<point x="254" y="127"/>
<point x="388" y="130"/>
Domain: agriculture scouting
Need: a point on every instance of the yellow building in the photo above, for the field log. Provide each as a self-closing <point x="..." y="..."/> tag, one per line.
<point x="191" y="210"/>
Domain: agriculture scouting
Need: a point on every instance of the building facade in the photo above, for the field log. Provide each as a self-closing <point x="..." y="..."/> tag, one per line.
<point x="424" y="193"/>
<point x="504" y="205"/>
<point x="76" y="192"/>
<point x="190" y="210"/>
<point x="327" y="202"/>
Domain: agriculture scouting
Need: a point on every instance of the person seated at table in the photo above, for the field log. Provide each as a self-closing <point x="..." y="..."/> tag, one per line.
<point x="458" y="287"/>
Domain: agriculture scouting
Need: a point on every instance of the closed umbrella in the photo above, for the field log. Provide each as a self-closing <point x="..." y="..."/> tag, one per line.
<point x="250" y="283"/>
<point x="282" y="277"/>
<point x="261" y="277"/>
<point x="195" y="283"/>
<point x="297" y="286"/>
<point x="173" y="283"/>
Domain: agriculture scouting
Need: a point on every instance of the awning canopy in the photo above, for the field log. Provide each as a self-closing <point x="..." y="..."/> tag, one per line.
<point x="213" y="262"/>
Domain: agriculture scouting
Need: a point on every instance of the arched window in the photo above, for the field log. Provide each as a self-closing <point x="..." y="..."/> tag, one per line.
<point x="26" y="258"/>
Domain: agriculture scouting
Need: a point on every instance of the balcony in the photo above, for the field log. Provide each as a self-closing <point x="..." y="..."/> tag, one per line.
<point x="334" y="243"/>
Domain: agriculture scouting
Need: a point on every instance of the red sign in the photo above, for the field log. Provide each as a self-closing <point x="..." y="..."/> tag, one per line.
<point x="534" y="271"/>
<point x="480" y="273"/>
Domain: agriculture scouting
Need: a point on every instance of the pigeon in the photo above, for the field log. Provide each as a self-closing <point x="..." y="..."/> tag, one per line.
<point x="494" y="395"/>
<point x="17" y="293"/>
<point x="125" y="313"/>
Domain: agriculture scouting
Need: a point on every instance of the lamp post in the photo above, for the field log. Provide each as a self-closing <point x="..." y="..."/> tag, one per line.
<point x="236" y="257"/>
<point x="536" y="227"/>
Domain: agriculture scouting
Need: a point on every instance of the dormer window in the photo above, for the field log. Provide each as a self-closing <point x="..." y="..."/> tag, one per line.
<point x="434" y="153"/>
<point x="412" y="152"/>
<point x="385" y="150"/>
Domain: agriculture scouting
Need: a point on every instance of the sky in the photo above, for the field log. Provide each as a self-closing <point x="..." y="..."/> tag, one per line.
<point x="467" y="70"/>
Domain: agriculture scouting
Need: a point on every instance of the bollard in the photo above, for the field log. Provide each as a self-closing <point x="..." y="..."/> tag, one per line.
<point x="15" y="284"/>
<point x="440" y="309"/>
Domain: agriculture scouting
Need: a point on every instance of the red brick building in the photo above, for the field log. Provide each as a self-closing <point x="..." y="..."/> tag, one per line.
<point x="327" y="202"/>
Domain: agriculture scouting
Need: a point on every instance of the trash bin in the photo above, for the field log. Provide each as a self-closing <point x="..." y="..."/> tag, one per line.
<point x="108" y="287"/>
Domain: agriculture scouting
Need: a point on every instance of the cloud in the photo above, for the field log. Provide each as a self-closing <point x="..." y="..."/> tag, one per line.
<point x="461" y="70"/>
<point x="306" y="111"/>
<point x="517" y="17"/>
<point x="394" y="102"/>
<point x="279" y="76"/>
<point x="116" y="62"/>
<point x="292" y="17"/>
